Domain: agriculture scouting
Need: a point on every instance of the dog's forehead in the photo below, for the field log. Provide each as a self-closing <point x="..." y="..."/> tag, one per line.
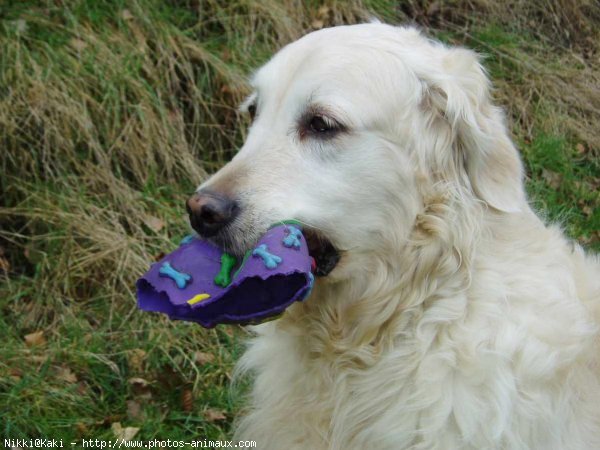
<point x="329" y="62"/>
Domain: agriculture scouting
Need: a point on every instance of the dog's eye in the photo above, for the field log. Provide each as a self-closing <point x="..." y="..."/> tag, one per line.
<point x="318" y="124"/>
<point x="323" y="125"/>
<point x="252" y="110"/>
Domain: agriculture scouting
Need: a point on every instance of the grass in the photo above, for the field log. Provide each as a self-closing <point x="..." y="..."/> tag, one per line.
<point x="111" y="112"/>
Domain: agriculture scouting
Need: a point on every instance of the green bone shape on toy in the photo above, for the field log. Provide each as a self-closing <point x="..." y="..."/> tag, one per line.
<point x="223" y="278"/>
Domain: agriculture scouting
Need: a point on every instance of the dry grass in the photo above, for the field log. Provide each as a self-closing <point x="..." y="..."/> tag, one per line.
<point x="111" y="112"/>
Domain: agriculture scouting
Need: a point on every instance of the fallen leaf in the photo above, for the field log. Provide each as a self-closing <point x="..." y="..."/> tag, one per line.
<point x="66" y="374"/>
<point x="553" y="179"/>
<point x="317" y="24"/>
<point x="138" y="381"/>
<point x="154" y="223"/>
<point x="82" y="388"/>
<point x="110" y="419"/>
<point x="126" y="14"/>
<point x="587" y="210"/>
<point x="78" y="44"/>
<point x="214" y="415"/>
<point x="203" y="358"/>
<point x="433" y="9"/>
<point x="580" y="148"/>
<point x="187" y="400"/>
<point x="20" y="25"/>
<point x="15" y="374"/>
<point x="125" y="434"/>
<point x="34" y="339"/>
<point x="323" y="11"/>
<point x="140" y="388"/>
<point x="136" y="359"/>
<point x="4" y="264"/>
<point x="134" y="410"/>
<point x="81" y="428"/>
<point x="40" y="359"/>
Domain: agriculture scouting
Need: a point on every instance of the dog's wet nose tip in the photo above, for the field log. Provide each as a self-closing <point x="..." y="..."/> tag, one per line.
<point x="210" y="211"/>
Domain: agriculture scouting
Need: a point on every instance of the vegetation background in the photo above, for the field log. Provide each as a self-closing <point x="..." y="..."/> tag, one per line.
<point x="112" y="111"/>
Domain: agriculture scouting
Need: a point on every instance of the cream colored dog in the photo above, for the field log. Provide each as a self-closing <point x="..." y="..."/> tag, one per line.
<point x="447" y="315"/>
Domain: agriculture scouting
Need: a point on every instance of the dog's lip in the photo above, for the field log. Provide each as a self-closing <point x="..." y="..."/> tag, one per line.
<point x="325" y="254"/>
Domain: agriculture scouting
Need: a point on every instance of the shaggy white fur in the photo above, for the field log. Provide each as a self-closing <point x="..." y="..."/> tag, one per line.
<point x="455" y="319"/>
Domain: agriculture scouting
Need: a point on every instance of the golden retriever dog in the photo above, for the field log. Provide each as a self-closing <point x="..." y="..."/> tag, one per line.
<point x="446" y="314"/>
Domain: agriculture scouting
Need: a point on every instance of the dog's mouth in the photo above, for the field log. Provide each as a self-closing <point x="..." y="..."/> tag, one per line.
<point x="326" y="256"/>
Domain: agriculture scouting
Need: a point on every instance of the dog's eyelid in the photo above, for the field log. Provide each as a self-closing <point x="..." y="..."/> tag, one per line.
<point x="330" y="120"/>
<point x="319" y="125"/>
<point x="329" y="114"/>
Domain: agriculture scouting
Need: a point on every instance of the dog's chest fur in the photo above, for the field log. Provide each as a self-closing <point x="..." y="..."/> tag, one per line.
<point x="476" y="366"/>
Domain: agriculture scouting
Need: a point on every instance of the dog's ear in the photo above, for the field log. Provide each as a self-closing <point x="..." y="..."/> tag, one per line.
<point x="460" y="92"/>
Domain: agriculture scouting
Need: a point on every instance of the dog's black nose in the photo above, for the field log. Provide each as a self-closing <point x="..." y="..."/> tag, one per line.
<point x="210" y="211"/>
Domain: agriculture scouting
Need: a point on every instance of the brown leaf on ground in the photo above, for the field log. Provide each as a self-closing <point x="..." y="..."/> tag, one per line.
<point x="82" y="388"/>
<point x="139" y="381"/>
<point x="78" y="44"/>
<point x="126" y="15"/>
<point x="136" y="359"/>
<point x="187" y="400"/>
<point x="323" y="11"/>
<point x="214" y="415"/>
<point x="82" y="429"/>
<point x="317" y="24"/>
<point x="4" y="264"/>
<point x="553" y="179"/>
<point x="154" y="223"/>
<point x="203" y="358"/>
<point x="20" y="25"/>
<point x="66" y="374"/>
<point x="35" y="339"/>
<point x="40" y="359"/>
<point x="15" y="374"/>
<point x="134" y="410"/>
<point x="125" y="434"/>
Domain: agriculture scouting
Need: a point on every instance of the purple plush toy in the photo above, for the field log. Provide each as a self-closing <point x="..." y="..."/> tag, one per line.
<point x="199" y="283"/>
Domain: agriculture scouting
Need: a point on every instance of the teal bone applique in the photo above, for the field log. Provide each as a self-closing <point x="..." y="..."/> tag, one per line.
<point x="293" y="238"/>
<point x="271" y="261"/>
<point x="181" y="279"/>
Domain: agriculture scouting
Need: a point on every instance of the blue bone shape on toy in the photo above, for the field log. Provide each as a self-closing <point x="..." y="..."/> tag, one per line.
<point x="271" y="261"/>
<point x="181" y="279"/>
<point x="186" y="240"/>
<point x="293" y="238"/>
<point x="311" y="283"/>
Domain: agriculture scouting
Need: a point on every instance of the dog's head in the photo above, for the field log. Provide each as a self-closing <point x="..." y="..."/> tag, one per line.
<point x="351" y="127"/>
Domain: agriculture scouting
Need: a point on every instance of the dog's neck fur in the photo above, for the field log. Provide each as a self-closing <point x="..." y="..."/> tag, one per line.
<point x="344" y="316"/>
<point x="345" y="330"/>
<point x="443" y="342"/>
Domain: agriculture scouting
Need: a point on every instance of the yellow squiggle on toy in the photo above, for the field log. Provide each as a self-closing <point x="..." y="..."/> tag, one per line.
<point x="197" y="298"/>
